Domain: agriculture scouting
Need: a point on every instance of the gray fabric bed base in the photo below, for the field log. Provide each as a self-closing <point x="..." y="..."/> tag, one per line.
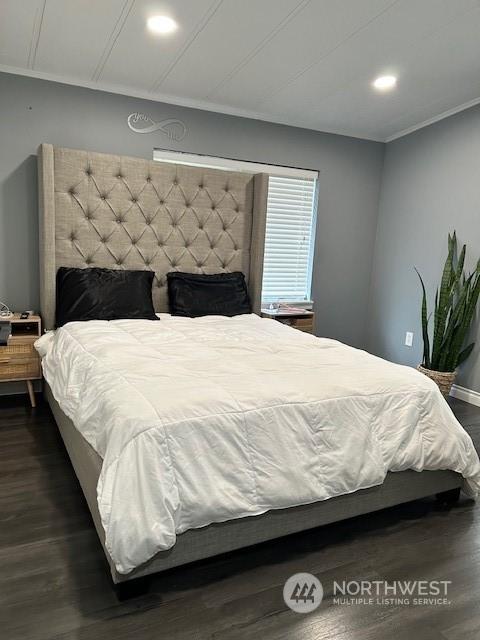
<point x="235" y="534"/>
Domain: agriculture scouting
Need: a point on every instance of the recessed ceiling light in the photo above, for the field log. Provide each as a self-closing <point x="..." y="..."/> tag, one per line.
<point x="383" y="83"/>
<point x="161" y="24"/>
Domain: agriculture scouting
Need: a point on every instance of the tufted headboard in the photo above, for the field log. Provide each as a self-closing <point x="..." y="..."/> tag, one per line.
<point x="129" y="213"/>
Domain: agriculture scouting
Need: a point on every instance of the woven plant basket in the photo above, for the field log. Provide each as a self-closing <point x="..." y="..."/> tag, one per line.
<point x="443" y="379"/>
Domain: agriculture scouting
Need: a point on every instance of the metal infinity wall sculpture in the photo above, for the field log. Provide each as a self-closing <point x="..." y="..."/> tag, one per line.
<point x="171" y="127"/>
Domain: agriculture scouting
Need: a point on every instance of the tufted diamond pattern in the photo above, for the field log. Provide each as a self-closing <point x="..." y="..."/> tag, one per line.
<point x="127" y="213"/>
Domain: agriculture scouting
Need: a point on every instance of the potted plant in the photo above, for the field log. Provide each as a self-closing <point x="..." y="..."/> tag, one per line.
<point x="455" y="303"/>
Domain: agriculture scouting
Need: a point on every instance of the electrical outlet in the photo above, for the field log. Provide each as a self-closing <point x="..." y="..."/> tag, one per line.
<point x="409" y="338"/>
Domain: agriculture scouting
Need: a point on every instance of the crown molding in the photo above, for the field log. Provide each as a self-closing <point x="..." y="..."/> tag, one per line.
<point x="426" y="123"/>
<point x="225" y="109"/>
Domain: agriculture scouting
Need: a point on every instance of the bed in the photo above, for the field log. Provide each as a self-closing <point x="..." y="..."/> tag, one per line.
<point x="110" y="211"/>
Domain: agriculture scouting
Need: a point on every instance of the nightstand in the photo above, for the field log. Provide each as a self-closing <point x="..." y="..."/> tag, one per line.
<point x="18" y="358"/>
<point x="302" y="320"/>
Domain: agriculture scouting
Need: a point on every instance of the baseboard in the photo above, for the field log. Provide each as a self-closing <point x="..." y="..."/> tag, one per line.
<point x="468" y="395"/>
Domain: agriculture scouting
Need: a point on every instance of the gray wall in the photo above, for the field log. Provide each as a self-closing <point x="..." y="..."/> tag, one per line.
<point x="34" y="111"/>
<point x="430" y="186"/>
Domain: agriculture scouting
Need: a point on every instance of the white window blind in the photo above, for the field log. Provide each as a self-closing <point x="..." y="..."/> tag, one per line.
<point x="287" y="270"/>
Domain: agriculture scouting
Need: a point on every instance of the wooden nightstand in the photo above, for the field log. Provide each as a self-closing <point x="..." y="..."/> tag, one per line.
<point x="302" y="320"/>
<point x="18" y="358"/>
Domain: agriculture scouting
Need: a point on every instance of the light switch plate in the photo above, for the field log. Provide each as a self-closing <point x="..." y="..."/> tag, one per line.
<point x="409" y="338"/>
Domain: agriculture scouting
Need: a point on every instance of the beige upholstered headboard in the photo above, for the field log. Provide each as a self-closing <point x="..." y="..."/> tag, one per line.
<point x="128" y="213"/>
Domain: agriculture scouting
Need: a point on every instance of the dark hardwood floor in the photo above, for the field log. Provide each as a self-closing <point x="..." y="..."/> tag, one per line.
<point x="54" y="581"/>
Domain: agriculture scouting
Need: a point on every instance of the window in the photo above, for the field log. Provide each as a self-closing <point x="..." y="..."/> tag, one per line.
<point x="290" y="229"/>
<point x="289" y="236"/>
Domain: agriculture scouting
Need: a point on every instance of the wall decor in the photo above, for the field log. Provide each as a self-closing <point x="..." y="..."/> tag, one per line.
<point x="171" y="127"/>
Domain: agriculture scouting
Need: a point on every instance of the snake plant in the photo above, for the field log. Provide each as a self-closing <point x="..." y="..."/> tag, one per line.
<point x="455" y="304"/>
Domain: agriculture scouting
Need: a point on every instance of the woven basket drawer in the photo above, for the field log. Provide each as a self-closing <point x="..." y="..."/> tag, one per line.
<point x="21" y="350"/>
<point x="19" y="369"/>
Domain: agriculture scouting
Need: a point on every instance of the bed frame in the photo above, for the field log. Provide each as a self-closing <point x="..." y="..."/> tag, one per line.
<point x="118" y="212"/>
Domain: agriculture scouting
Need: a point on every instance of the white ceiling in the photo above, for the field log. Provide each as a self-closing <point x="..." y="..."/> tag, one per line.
<point x="307" y="63"/>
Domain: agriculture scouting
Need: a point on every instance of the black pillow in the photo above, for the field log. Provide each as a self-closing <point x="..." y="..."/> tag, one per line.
<point x="197" y="294"/>
<point x="103" y="294"/>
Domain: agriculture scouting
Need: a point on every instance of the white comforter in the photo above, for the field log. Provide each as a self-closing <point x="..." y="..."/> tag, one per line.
<point x="208" y="419"/>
